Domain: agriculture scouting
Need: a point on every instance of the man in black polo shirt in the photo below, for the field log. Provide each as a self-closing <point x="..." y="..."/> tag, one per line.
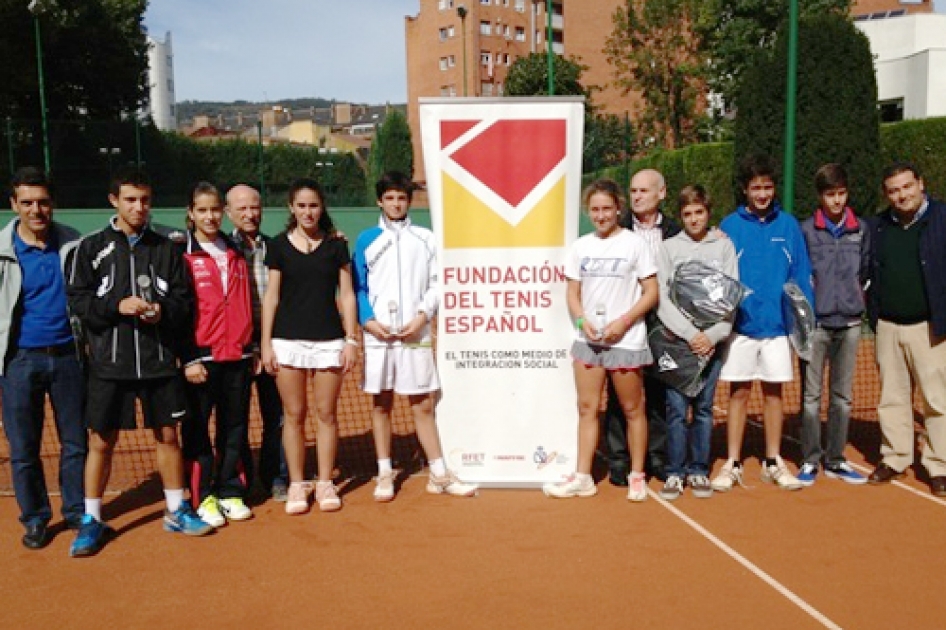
<point x="38" y="355"/>
<point x="907" y="306"/>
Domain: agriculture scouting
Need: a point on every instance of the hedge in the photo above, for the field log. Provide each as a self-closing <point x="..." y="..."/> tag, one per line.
<point x="922" y="142"/>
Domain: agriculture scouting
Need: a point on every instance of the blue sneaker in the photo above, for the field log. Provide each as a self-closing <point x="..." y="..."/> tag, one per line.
<point x="807" y="474"/>
<point x="845" y="473"/>
<point x="91" y="537"/>
<point x="185" y="521"/>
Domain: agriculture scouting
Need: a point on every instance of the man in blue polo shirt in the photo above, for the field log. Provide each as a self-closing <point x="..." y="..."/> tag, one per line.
<point x="39" y="355"/>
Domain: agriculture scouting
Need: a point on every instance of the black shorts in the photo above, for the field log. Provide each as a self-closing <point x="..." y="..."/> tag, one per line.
<point x="111" y="403"/>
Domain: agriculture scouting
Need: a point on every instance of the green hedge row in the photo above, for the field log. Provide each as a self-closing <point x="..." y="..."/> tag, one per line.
<point x="922" y="142"/>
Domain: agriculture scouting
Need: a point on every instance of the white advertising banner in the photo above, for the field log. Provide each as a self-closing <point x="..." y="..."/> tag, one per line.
<point x="504" y="181"/>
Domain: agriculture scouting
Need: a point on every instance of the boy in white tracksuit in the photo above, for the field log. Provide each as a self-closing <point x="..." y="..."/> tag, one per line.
<point x="395" y="278"/>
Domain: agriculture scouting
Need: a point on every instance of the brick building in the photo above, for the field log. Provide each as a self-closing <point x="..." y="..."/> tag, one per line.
<point x="465" y="47"/>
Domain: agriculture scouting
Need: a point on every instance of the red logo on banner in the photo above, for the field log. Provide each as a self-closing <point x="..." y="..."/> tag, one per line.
<point x="525" y="149"/>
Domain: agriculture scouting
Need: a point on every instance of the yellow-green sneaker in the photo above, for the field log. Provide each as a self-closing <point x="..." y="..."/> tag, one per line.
<point x="209" y="512"/>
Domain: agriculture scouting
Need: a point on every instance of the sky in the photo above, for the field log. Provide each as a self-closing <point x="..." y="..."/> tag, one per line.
<point x="269" y="50"/>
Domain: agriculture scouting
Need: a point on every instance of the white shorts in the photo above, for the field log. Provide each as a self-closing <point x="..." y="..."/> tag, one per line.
<point x="406" y="370"/>
<point x="309" y="355"/>
<point x="768" y="360"/>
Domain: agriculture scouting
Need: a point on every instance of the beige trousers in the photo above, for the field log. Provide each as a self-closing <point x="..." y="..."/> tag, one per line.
<point x="908" y="357"/>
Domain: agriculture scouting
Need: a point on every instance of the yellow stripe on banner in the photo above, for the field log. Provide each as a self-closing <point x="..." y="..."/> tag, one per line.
<point x="470" y="223"/>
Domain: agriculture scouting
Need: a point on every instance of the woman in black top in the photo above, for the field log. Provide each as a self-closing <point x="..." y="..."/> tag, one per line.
<point x="303" y="334"/>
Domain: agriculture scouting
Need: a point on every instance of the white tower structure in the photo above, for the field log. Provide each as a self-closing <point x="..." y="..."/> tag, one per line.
<point x="161" y="103"/>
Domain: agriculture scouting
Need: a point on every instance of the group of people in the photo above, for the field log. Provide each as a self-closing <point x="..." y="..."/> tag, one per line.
<point x="889" y="268"/>
<point x="184" y="323"/>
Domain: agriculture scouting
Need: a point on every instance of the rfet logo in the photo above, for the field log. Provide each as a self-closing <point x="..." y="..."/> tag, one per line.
<point x="503" y="182"/>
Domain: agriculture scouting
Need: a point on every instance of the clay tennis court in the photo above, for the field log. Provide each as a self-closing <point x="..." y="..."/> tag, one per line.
<point x="829" y="556"/>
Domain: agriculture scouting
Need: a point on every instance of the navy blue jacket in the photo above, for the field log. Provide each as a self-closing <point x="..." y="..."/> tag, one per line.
<point x="932" y="258"/>
<point x="839" y="266"/>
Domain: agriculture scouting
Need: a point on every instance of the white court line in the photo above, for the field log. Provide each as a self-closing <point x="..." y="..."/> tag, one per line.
<point x="900" y="484"/>
<point x="755" y="570"/>
<point x="863" y="469"/>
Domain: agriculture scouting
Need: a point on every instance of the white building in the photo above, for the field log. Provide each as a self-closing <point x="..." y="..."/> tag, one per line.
<point x="910" y="62"/>
<point x="161" y="103"/>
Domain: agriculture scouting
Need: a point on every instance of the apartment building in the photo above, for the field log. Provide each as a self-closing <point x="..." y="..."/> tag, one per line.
<point x="465" y="47"/>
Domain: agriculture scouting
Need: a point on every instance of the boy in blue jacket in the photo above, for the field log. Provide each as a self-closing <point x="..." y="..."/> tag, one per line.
<point x="771" y="251"/>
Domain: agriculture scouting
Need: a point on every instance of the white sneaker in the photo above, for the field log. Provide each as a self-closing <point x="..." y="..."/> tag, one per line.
<point x="209" y="512"/>
<point x="729" y="475"/>
<point x="450" y="484"/>
<point x="637" y="487"/>
<point x="573" y="486"/>
<point x="780" y="476"/>
<point x="234" y="509"/>
<point x="297" y="502"/>
<point x="326" y="494"/>
<point x="384" y="488"/>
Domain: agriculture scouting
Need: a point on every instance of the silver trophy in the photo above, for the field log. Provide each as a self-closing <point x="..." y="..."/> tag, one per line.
<point x="144" y="292"/>
<point x="392" y="312"/>
<point x="601" y="319"/>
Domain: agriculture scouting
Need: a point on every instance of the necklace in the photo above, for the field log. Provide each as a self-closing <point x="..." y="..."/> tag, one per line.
<point x="310" y="243"/>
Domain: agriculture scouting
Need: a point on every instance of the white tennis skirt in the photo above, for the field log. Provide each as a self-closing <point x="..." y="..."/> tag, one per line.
<point x="310" y="355"/>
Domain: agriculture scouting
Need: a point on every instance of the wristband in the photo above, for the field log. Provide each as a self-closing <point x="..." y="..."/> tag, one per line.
<point x="580" y="323"/>
<point x="351" y="341"/>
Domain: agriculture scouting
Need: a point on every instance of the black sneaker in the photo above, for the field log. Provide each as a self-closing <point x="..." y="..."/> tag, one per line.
<point x="672" y="489"/>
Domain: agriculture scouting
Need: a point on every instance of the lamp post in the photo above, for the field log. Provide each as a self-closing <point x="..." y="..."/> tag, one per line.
<point x="462" y="12"/>
<point x="791" y="91"/>
<point x="34" y="8"/>
<point x="549" y="51"/>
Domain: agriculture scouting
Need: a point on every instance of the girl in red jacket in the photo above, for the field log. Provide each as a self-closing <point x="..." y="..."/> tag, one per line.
<point x="218" y="362"/>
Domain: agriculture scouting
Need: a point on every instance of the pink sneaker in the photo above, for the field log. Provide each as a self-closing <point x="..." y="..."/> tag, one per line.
<point x="298" y="499"/>
<point x="326" y="494"/>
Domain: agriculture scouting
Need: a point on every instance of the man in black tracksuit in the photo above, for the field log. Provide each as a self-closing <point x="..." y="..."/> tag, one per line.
<point x="128" y="287"/>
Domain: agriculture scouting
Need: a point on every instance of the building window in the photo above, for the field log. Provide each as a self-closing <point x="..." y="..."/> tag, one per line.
<point x="170" y="85"/>
<point x="484" y="58"/>
<point x="452" y="60"/>
<point x="486" y="2"/>
<point x="443" y="34"/>
<point x="521" y="6"/>
<point x="445" y="4"/>
<point x="520" y="34"/>
<point x="446" y="33"/>
<point x="444" y="63"/>
<point x="891" y="111"/>
<point x="486" y="28"/>
<point x="448" y="90"/>
<point x="450" y="31"/>
<point x="486" y="89"/>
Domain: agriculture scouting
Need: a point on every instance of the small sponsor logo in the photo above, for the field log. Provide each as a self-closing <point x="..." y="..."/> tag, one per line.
<point x="543" y="458"/>
<point x="472" y="459"/>
<point x="509" y="458"/>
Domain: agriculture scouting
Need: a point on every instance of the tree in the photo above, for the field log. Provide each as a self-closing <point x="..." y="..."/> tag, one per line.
<point x="529" y="76"/>
<point x="837" y="118"/>
<point x="391" y="150"/>
<point x="606" y="139"/>
<point x="655" y="51"/>
<point x="94" y="59"/>
<point x="734" y="33"/>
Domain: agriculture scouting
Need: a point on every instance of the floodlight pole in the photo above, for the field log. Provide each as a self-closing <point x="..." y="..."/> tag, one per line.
<point x="34" y="9"/>
<point x="791" y="91"/>
<point x="550" y="52"/>
<point x="462" y="11"/>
